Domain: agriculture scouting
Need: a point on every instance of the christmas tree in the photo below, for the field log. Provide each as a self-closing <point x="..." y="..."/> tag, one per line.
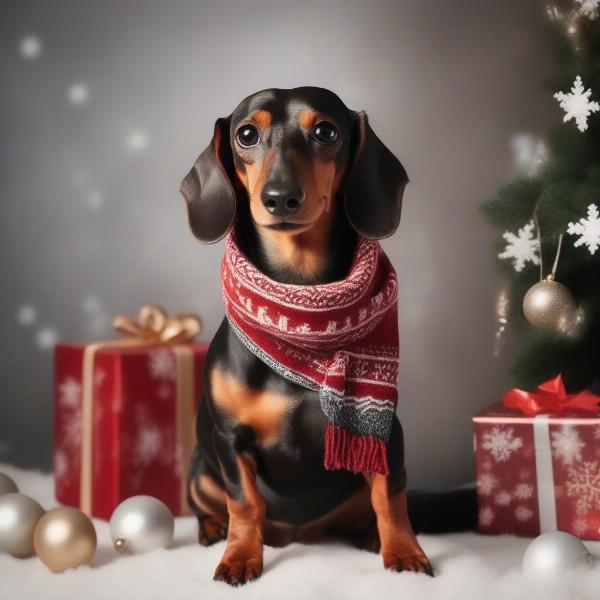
<point x="553" y="211"/>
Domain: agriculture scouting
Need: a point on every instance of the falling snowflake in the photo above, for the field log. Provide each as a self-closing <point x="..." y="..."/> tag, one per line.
<point x="46" y="338"/>
<point x="26" y="314"/>
<point x="486" y="484"/>
<point x="522" y="513"/>
<point x="579" y="527"/>
<point x="529" y="153"/>
<point x="30" y="47"/>
<point x="95" y="200"/>
<point x="137" y="141"/>
<point x="584" y="484"/>
<point x="162" y="364"/>
<point x="523" y="247"/>
<point x="589" y="8"/>
<point x="78" y="94"/>
<point x="523" y="491"/>
<point x="148" y="445"/>
<point x="69" y="393"/>
<point x="501" y="442"/>
<point x="577" y="105"/>
<point x="486" y="516"/>
<point x="567" y="445"/>
<point x="588" y="230"/>
<point x="503" y="498"/>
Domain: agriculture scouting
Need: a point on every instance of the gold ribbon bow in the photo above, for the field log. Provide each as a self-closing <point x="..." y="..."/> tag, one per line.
<point x="155" y="325"/>
<point x="152" y="326"/>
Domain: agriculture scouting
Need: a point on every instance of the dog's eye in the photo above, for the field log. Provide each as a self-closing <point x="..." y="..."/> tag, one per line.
<point x="247" y="136"/>
<point x="325" y="132"/>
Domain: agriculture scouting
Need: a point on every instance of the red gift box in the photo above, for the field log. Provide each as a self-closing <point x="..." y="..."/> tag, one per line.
<point x="124" y="418"/>
<point x="538" y="463"/>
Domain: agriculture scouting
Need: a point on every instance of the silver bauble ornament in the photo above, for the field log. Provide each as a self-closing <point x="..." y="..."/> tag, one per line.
<point x="554" y="554"/>
<point x="549" y="304"/>
<point x="7" y="485"/>
<point x="19" y="514"/>
<point x="140" y="524"/>
<point x="65" y="538"/>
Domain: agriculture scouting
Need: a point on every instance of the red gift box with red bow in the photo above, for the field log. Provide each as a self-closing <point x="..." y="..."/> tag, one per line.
<point x="538" y="462"/>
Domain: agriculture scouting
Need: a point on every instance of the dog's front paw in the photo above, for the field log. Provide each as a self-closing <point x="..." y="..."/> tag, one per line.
<point x="238" y="571"/>
<point x="416" y="562"/>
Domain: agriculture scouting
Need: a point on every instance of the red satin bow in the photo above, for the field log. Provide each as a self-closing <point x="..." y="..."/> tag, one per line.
<point x="550" y="397"/>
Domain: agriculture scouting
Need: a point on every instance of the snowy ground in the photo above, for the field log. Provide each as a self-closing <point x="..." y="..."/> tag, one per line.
<point x="468" y="566"/>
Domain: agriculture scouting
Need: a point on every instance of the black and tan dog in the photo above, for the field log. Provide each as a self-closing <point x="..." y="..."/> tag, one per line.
<point x="299" y="176"/>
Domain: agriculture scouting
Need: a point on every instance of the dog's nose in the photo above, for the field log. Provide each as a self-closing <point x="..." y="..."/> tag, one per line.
<point x="282" y="199"/>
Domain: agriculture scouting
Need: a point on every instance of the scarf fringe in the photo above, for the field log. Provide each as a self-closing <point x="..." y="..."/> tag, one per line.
<point x="357" y="453"/>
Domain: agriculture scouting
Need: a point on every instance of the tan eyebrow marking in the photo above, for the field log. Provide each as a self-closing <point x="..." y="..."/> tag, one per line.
<point x="307" y="118"/>
<point x="262" y="118"/>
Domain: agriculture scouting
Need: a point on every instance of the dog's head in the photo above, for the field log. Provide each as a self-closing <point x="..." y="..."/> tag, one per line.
<point x="292" y="154"/>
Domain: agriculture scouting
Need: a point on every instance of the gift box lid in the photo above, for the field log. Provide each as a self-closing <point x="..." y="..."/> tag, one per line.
<point x="498" y="413"/>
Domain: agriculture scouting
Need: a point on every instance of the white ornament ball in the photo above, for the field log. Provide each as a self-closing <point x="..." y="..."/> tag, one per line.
<point x="7" y="485"/>
<point x="19" y="514"/>
<point x="554" y="554"/>
<point x="141" y="524"/>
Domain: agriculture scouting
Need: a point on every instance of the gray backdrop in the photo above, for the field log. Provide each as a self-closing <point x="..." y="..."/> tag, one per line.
<point x="91" y="223"/>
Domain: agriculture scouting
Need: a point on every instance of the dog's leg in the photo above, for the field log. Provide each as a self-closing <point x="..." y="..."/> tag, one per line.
<point x="243" y="557"/>
<point x="400" y="549"/>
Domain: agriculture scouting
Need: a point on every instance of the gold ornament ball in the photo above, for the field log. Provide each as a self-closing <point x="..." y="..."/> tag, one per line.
<point x="19" y="515"/>
<point x="549" y="304"/>
<point x="64" y="538"/>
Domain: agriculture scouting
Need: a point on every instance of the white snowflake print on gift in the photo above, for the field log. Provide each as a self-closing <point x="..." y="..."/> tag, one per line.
<point x="486" y="516"/>
<point x="567" y="445"/>
<point x="486" y="483"/>
<point x="588" y="230"/>
<point x="584" y="485"/>
<point x="577" y="104"/>
<point x="503" y="498"/>
<point x="148" y="445"/>
<point x="523" y="491"/>
<point x="69" y="393"/>
<point x="522" y="248"/>
<point x="162" y="364"/>
<point x="501" y="442"/>
<point x="579" y="527"/>
<point x="522" y="513"/>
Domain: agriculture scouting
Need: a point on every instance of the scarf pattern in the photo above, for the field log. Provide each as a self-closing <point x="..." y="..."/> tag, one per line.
<point x="339" y="338"/>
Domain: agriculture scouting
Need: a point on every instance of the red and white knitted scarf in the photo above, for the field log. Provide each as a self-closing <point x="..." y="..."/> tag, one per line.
<point x="338" y="338"/>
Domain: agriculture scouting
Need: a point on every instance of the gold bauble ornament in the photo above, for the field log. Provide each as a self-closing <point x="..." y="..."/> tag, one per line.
<point x="64" y="538"/>
<point x="549" y="304"/>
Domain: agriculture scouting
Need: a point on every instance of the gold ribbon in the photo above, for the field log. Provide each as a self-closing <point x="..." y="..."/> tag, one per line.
<point x="152" y="326"/>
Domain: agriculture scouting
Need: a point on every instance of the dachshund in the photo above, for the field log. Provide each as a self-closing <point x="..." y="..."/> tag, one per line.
<point x="299" y="177"/>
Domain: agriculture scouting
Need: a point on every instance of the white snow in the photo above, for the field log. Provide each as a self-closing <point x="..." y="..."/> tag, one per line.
<point x="577" y="104"/>
<point x="468" y="567"/>
<point x="588" y="230"/>
<point x="522" y="248"/>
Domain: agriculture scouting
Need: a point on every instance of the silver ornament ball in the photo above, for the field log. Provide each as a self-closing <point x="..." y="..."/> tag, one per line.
<point x="19" y="514"/>
<point x="553" y="555"/>
<point x="7" y="485"/>
<point x="549" y="304"/>
<point x="141" y="524"/>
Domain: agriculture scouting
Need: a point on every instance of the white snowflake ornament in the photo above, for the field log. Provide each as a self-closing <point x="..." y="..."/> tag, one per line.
<point x="522" y="248"/>
<point x="577" y="104"/>
<point x="588" y="230"/>
<point x="501" y="442"/>
<point x="589" y="8"/>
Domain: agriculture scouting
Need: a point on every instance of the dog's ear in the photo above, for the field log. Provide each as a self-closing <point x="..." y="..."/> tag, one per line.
<point x="374" y="185"/>
<point x="208" y="188"/>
